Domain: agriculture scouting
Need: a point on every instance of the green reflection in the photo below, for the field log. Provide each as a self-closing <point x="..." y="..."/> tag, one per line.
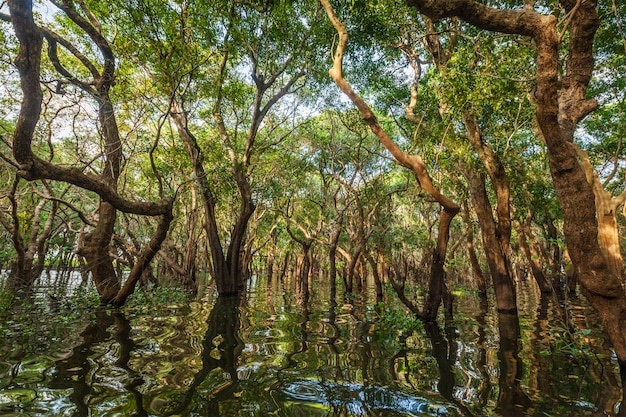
<point x="272" y="353"/>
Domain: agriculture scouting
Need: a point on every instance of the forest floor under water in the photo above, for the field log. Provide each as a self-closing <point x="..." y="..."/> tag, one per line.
<point x="273" y="353"/>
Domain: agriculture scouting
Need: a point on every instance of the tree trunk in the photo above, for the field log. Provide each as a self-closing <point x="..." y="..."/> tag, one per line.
<point x="477" y="271"/>
<point x="377" y="282"/>
<point x="196" y="157"/>
<point x="96" y="248"/>
<point x="436" y="284"/>
<point x="269" y="266"/>
<point x="532" y="256"/>
<point x="332" y="258"/>
<point x="606" y="214"/>
<point x="496" y="248"/>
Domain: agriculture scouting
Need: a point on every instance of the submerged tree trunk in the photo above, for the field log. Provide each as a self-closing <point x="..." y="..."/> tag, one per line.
<point x="412" y="162"/>
<point x="494" y="242"/>
<point x="561" y="104"/>
<point x="28" y="62"/>
<point x="96" y="248"/>
<point x="496" y="232"/>
<point x="302" y="283"/>
<point x="511" y="397"/>
<point x="269" y="265"/>
<point x="436" y="285"/>
<point x="332" y="256"/>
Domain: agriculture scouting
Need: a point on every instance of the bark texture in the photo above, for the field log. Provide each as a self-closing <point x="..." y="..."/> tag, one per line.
<point x="561" y="105"/>
<point x="414" y="162"/>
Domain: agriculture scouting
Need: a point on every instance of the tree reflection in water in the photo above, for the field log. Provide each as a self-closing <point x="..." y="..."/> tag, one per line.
<point x="221" y="348"/>
<point x="121" y="334"/>
<point x="310" y="357"/>
<point x="444" y="351"/>
<point x="72" y="372"/>
<point x="75" y="371"/>
<point x="512" y="400"/>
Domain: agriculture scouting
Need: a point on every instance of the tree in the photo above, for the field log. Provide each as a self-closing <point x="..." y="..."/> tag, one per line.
<point x="414" y="162"/>
<point x="561" y="104"/>
<point x="224" y="81"/>
<point x="32" y="167"/>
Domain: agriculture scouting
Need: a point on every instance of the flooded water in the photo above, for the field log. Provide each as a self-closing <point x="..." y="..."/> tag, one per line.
<point x="274" y="354"/>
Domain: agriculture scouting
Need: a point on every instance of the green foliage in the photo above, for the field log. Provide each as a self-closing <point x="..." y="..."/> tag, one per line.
<point x="392" y="323"/>
<point x="157" y="298"/>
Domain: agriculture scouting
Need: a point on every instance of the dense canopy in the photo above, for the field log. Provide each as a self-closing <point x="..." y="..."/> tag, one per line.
<point x="411" y="147"/>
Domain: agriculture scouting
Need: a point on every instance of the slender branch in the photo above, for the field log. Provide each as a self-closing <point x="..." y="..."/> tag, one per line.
<point x="53" y="39"/>
<point x="69" y="205"/>
<point x="413" y="162"/>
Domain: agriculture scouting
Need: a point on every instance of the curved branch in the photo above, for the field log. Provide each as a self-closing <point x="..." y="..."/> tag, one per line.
<point x="95" y="35"/>
<point x="41" y="169"/>
<point x="54" y="58"/>
<point x="522" y="21"/>
<point x="72" y="207"/>
<point x="144" y="259"/>
<point x="413" y="162"/>
<point x="55" y="37"/>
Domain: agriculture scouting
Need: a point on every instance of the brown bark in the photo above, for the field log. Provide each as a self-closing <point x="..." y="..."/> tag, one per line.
<point x="436" y="284"/>
<point x="302" y="283"/>
<point x="271" y="255"/>
<point x="607" y="208"/>
<point x="144" y="259"/>
<point x="377" y="282"/>
<point x="96" y="251"/>
<point x="28" y="61"/>
<point x="332" y="254"/>
<point x="497" y="244"/>
<point x="556" y="258"/>
<point x="410" y="161"/>
<point x="496" y="248"/>
<point x="398" y="281"/>
<point x="561" y="104"/>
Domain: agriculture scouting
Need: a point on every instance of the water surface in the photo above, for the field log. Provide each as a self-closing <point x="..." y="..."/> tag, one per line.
<point x="273" y="353"/>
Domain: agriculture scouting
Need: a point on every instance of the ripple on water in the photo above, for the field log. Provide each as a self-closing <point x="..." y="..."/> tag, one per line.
<point x="13" y="399"/>
<point x="360" y="400"/>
